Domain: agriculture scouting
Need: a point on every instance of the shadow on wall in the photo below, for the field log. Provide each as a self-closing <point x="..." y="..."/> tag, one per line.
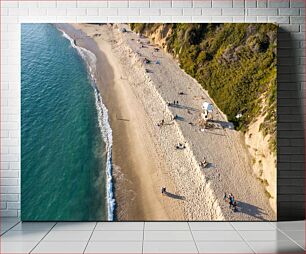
<point x="290" y="129"/>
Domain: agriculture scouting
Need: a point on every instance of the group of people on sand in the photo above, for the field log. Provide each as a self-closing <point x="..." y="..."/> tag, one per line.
<point x="172" y="103"/>
<point x="231" y="200"/>
<point x="203" y="163"/>
<point x="162" y="122"/>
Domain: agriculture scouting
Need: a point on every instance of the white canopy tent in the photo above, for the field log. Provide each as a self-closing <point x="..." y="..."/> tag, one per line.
<point x="208" y="107"/>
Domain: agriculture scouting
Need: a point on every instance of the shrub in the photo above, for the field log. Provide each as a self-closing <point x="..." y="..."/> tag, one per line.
<point x="235" y="63"/>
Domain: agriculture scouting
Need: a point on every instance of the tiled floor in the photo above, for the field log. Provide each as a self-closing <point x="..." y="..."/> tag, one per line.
<point x="152" y="237"/>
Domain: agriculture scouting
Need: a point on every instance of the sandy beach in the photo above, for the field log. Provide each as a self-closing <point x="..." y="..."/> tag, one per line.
<point x="144" y="155"/>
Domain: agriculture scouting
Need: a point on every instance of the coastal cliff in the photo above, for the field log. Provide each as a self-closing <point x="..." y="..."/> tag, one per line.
<point x="236" y="64"/>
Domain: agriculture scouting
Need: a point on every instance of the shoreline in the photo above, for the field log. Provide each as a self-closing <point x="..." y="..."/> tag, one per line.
<point x="136" y="101"/>
<point x="90" y="60"/>
<point x="134" y="200"/>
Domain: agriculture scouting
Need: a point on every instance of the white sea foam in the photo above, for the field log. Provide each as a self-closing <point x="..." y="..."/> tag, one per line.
<point x="108" y="139"/>
<point x="103" y="118"/>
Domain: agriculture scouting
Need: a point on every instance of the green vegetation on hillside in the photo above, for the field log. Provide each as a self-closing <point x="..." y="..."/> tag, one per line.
<point x="235" y="63"/>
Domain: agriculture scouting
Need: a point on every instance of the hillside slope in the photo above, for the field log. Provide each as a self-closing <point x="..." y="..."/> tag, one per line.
<point x="236" y="64"/>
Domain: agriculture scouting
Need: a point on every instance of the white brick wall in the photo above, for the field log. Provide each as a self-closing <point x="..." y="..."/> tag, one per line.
<point x="289" y="13"/>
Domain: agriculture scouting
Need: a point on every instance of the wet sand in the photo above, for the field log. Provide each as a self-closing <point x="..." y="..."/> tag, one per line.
<point x="137" y="169"/>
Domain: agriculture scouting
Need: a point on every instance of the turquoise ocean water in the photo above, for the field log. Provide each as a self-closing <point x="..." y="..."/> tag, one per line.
<point x="64" y="155"/>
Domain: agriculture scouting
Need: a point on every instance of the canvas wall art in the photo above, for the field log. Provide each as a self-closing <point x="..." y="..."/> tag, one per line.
<point x="148" y="122"/>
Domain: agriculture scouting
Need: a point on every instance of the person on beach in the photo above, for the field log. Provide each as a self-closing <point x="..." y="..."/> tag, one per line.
<point x="203" y="163"/>
<point x="163" y="190"/>
<point x="230" y="203"/>
<point x="231" y="200"/>
<point x="232" y="197"/>
<point x="180" y="146"/>
<point x="161" y="123"/>
<point x="225" y="196"/>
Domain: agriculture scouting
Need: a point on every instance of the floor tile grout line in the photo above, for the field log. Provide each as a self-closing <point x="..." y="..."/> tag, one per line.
<point x="193" y="237"/>
<point x="143" y="232"/>
<point x="10" y="228"/>
<point x="291" y="239"/>
<point x="158" y="240"/>
<point x="232" y="225"/>
<point x="93" y="230"/>
<point x="42" y="238"/>
<point x="247" y="243"/>
<point x="274" y="226"/>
